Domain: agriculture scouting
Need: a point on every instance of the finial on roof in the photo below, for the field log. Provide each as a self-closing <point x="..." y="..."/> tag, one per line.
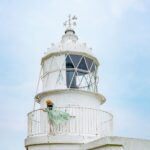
<point x="70" y="23"/>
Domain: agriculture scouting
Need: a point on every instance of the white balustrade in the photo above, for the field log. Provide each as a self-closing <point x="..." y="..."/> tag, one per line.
<point x="85" y="122"/>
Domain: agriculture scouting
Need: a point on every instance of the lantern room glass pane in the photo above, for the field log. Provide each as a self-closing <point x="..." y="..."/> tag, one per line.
<point x="88" y="62"/>
<point x="76" y="59"/>
<point x="69" y="63"/>
<point x="82" y="65"/>
<point x="93" y="68"/>
<point x="71" y="79"/>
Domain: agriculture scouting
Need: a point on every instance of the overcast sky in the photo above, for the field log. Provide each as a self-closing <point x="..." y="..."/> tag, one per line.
<point x="117" y="30"/>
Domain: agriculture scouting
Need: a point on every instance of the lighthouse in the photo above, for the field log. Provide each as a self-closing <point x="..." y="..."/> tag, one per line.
<point x="69" y="79"/>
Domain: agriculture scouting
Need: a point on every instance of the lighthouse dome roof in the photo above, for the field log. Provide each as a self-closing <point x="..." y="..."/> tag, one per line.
<point x="69" y="42"/>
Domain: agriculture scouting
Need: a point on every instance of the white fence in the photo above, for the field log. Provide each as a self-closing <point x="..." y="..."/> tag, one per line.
<point x="86" y="122"/>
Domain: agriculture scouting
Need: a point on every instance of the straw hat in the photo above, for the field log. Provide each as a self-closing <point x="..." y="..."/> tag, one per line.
<point x="49" y="102"/>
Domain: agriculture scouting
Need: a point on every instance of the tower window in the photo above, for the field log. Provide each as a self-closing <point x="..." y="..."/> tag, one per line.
<point x="80" y="72"/>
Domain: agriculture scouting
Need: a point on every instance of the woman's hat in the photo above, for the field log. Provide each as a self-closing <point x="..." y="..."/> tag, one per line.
<point x="49" y="102"/>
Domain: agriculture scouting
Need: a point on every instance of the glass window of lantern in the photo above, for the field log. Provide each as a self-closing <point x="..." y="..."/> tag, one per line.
<point x="81" y="72"/>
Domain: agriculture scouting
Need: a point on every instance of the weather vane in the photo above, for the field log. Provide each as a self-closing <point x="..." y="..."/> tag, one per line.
<point x="70" y="22"/>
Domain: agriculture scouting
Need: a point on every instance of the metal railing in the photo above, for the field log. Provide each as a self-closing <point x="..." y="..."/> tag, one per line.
<point x="87" y="122"/>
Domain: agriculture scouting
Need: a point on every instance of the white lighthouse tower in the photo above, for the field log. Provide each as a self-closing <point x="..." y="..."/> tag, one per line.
<point x="70" y="80"/>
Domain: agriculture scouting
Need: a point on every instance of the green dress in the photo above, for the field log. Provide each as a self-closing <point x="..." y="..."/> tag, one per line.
<point x="57" y="117"/>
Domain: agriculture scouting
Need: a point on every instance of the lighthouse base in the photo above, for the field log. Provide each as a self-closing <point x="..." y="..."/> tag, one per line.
<point x="74" y="143"/>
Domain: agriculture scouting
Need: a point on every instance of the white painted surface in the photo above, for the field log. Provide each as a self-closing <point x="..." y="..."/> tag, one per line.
<point x="63" y="98"/>
<point x="106" y="143"/>
<point x="54" y="143"/>
<point x="51" y="72"/>
<point x="55" y="147"/>
<point x="70" y="42"/>
<point x="109" y="148"/>
<point x="118" y="143"/>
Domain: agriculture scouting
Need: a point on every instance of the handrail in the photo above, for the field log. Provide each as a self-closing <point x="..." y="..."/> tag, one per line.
<point x="69" y="106"/>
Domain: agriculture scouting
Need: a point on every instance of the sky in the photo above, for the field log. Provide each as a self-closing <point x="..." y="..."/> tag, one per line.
<point x="118" y="32"/>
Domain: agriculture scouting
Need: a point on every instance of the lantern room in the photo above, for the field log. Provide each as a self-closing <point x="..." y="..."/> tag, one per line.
<point x="69" y="70"/>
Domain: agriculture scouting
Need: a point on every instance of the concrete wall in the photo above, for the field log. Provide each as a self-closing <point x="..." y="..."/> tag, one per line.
<point x="55" y="147"/>
<point x="54" y="143"/>
<point x="106" y="143"/>
<point x="73" y="98"/>
<point x="118" y="143"/>
<point x="109" y="148"/>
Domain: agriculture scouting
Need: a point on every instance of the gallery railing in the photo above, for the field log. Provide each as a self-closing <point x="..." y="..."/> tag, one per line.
<point x="85" y="122"/>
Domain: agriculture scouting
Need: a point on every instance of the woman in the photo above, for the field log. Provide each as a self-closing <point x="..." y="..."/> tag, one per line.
<point x="55" y="116"/>
<point x="49" y="110"/>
